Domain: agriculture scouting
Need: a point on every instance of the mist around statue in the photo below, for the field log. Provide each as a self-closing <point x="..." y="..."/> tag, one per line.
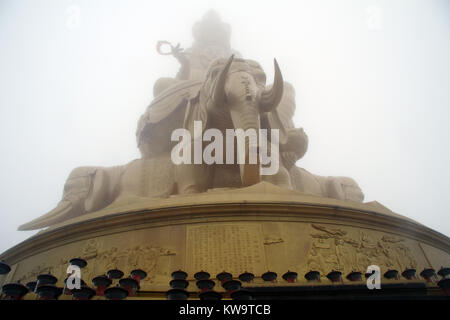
<point x="281" y="146"/>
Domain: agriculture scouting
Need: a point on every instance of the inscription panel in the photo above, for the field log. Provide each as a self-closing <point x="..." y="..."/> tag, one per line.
<point x="230" y="247"/>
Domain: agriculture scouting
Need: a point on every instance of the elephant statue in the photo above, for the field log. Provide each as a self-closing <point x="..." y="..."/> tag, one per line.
<point x="89" y="189"/>
<point x="342" y="188"/>
<point x="233" y="95"/>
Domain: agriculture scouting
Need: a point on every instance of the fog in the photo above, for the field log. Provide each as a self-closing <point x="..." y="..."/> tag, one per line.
<point x="372" y="83"/>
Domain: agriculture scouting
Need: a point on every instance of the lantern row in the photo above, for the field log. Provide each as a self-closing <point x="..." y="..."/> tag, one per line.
<point x="114" y="286"/>
<point x="233" y="288"/>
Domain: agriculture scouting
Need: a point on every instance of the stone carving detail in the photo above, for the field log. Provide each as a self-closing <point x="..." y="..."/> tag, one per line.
<point x="224" y="92"/>
<point x="269" y="241"/>
<point x="234" y="248"/>
<point x="37" y="270"/>
<point x="137" y="257"/>
<point x="333" y="249"/>
<point x="144" y="257"/>
<point x="90" y="250"/>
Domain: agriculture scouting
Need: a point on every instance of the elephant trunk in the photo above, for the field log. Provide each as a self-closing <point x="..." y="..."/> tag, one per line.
<point x="241" y="96"/>
<point x="235" y="87"/>
<point x="247" y="144"/>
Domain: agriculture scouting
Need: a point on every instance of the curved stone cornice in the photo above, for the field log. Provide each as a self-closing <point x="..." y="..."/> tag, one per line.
<point x="262" y="202"/>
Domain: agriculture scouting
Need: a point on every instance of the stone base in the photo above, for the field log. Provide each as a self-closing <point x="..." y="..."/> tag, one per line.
<point x="254" y="229"/>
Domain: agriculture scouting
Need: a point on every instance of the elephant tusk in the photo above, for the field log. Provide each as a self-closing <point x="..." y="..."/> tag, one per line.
<point x="271" y="97"/>
<point x="219" y="90"/>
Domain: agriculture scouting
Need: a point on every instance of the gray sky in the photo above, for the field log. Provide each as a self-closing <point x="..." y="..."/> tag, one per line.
<point x="372" y="81"/>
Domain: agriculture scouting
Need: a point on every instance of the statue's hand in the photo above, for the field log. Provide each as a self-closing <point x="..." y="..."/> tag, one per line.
<point x="177" y="50"/>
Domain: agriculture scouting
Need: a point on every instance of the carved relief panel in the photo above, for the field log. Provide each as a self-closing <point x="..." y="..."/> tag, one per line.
<point x="339" y="249"/>
<point x="100" y="260"/>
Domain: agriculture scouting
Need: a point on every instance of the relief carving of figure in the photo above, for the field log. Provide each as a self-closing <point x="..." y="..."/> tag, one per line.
<point x="334" y="249"/>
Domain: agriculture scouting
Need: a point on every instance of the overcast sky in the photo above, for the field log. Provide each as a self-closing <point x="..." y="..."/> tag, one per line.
<point x="372" y="81"/>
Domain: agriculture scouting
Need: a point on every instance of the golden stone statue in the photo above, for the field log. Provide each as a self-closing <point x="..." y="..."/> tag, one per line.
<point x="160" y="216"/>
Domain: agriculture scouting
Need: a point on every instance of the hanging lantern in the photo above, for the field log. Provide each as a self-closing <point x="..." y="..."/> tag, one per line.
<point x="179" y="275"/>
<point x="177" y="294"/>
<point x="210" y="295"/>
<point x="115" y="274"/>
<point x="444" y="272"/>
<point x="391" y="274"/>
<point x="116" y="293"/>
<point x="138" y="275"/>
<point x="428" y="274"/>
<point x="290" y="276"/>
<point x="4" y="268"/>
<point x="14" y="291"/>
<point x="202" y="275"/>
<point x="130" y="285"/>
<point x="178" y="284"/>
<point x="354" y="276"/>
<point x="269" y="276"/>
<point x="48" y="292"/>
<point x="409" y="274"/>
<point x="224" y="276"/>
<point x="101" y="282"/>
<point x="231" y="285"/>
<point x="335" y="276"/>
<point x="84" y="293"/>
<point x="80" y="263"/>
<point x="444" y="284"/>
<point x="247" y="277"/>
<point x="241" y="294"/>
<point x="312" y="275"/>
<point x="205" y="284"/>
<point x="45" y="279"/>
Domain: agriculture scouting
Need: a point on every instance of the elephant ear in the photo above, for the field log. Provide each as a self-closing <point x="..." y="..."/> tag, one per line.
<point x="165" y="114"/>
<point x="281" y="117"/>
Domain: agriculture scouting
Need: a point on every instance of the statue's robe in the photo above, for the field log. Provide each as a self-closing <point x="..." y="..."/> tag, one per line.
<point x="175" y="107"/>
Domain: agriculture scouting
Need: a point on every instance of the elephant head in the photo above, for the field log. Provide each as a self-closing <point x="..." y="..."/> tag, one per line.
<point x="87" y="189"/>
<point x="235" y="91"/>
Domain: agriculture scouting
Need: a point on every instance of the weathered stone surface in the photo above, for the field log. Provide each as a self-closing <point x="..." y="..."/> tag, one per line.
<point x="222" y="92"/>
<point x="153" y="215"/>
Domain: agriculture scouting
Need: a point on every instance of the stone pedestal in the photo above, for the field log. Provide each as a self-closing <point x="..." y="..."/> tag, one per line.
<point x="252" y="229"/>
